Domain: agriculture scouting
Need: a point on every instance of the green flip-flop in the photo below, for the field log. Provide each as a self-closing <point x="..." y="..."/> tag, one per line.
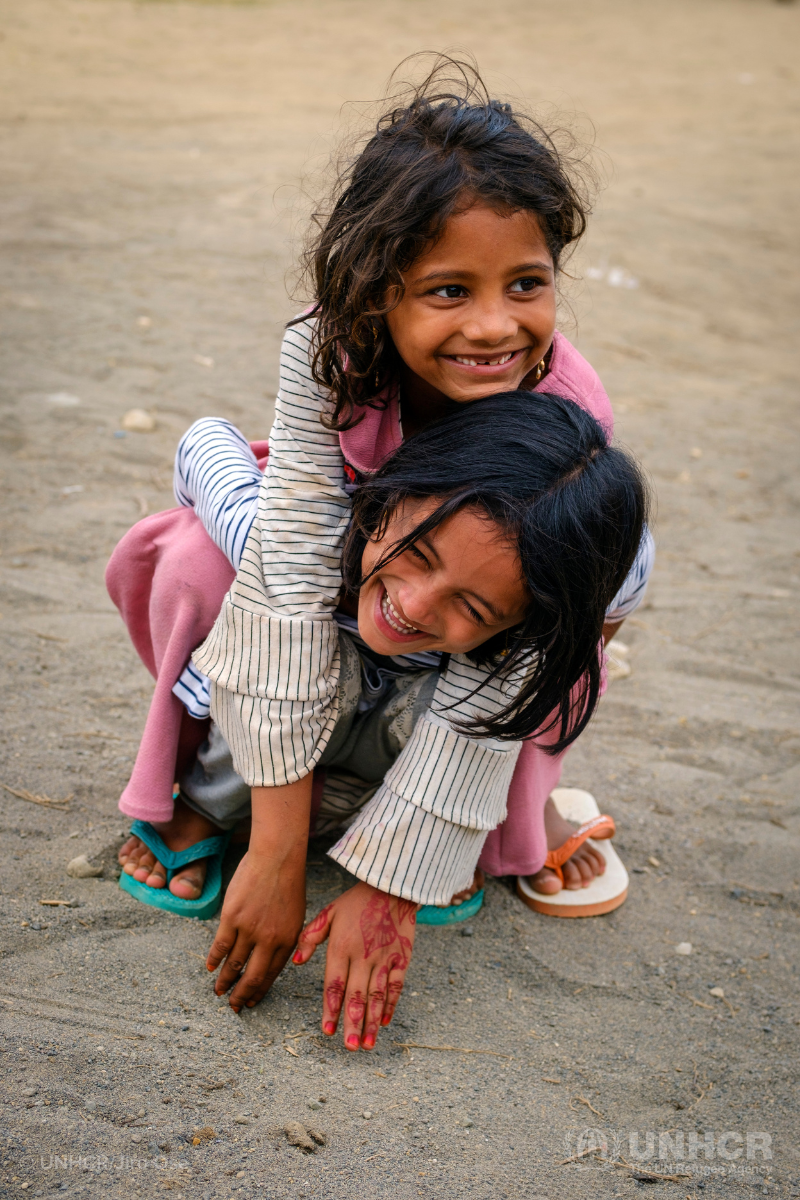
<point x="430" y="914"/>
<point x="208" y="901"/>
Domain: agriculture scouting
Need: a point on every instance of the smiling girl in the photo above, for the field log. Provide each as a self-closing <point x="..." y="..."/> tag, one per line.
<point x="435" y="282"/>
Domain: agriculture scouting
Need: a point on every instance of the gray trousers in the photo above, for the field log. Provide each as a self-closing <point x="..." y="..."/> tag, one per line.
<point x="366" y="740"/>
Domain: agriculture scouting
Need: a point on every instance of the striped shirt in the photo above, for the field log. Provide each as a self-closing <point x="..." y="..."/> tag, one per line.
<point x="272" y="659"/>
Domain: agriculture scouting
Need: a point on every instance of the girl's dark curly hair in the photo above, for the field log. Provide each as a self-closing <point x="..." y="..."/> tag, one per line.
<point x="447" y="145"/>
<point x="572" y="506"/>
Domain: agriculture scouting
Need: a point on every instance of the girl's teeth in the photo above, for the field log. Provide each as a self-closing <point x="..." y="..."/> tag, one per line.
<point x="484" y="362"/>
<point x="393" y="618"/>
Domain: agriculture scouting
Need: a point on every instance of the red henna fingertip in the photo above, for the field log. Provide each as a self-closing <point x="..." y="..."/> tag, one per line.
<point x="352" y="1042"/>
<point x="329" y="1027"/>
<point x="386" y="1020"/>
<point x="297" y="957"/>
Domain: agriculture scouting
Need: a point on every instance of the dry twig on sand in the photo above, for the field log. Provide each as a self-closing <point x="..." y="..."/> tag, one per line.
<point x="35" y="798"/>
<point x="640" y="1173"/>
<point x="588" y="1103"/>
<point x="454" y="1049"/>
<point x="697" y="1003"/>
<point x="644" y="1173"/>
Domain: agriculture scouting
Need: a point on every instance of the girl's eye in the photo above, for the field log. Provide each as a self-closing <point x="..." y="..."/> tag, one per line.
<point x="418" y="554"/>
<point x="450" y="291"/>
<point x="476" y="616"/>
<point x="525" y="285"/>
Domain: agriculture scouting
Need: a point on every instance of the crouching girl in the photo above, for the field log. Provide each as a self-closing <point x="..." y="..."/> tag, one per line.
<point x="477" y="567"/>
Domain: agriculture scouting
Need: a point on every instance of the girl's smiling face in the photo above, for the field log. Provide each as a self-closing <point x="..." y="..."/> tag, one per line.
<point x="478" y="313"/>
<point x="452" y="590"/>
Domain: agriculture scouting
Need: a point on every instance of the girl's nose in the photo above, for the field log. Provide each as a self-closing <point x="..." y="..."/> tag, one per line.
<point x="419" y="604"/>
<point x="489" y="323"/>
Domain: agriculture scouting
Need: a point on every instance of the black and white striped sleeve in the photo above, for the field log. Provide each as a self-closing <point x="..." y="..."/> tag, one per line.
<point x="422" y="833"/>
<point x="272" y="656"/>
<point x="631" y="594"/>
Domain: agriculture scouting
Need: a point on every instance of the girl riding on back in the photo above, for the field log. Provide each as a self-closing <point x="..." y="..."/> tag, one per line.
<point x="435" y="281"/>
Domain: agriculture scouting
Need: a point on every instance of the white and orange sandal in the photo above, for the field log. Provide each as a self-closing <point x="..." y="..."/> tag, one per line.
<point x="607" y="891"/>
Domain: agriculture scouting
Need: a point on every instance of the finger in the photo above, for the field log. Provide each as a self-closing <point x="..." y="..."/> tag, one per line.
<point x="235" y="962"/>
<point x="355" y="1006"/>
<point x="376" y="1003"/>
<point x="336" y="971"/>
<point x="259" y="975"/>
<point x="394" y="989"/>
<point x="222" y="944"/>
<point x="313" y="935"/>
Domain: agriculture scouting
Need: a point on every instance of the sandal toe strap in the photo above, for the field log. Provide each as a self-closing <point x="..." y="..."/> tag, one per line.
<point x="173" y="860"/>
<point x="556" y="858"/>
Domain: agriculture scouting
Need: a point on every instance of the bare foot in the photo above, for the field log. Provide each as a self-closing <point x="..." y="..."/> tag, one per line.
<point x="478" y="880"/>
<point x="186" y="828"/>
<point x="579" y="870"/>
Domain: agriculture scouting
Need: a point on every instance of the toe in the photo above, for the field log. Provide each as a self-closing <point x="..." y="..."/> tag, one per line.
<point x="478" y="881"/>
<point x="597" y="860"/>
<point x="143" y="868"/>
<point x="188" y="883"/>
<point x="573" y="879"/>
<point x="157" y="877"/>
<point x="127" y="849"/>
<point x="545" y="881"/>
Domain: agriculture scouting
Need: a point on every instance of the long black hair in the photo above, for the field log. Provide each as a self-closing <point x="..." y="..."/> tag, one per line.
<point x="436" y="149"/>
<point x="573" y="507"/>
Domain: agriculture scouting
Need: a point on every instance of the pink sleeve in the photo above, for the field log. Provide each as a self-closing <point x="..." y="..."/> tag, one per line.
<point x="570" y="375"/>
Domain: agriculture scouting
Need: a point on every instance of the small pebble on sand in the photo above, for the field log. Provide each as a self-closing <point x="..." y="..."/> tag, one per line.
<point x="137" y="420"/>
<point x="81" y="868"/>
<point x="683" y="948"/>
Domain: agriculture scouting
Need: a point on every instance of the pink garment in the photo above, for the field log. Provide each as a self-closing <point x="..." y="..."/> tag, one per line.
<point x="519" y="845"/>
<point x="378" y="433"/>
<point x="169" y="579"/>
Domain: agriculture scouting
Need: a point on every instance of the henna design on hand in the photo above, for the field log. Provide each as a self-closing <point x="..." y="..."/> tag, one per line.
<point x="377" y="927"/>
<point x="334" y="994"/>
<point x="319" y="922"/>
<point x="407" y="911"/>
<point x="377" y="999"/>
<point x="356" y="1006"/>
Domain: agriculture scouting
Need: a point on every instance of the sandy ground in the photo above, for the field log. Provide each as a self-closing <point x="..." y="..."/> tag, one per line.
<point x="151" y="162"/>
